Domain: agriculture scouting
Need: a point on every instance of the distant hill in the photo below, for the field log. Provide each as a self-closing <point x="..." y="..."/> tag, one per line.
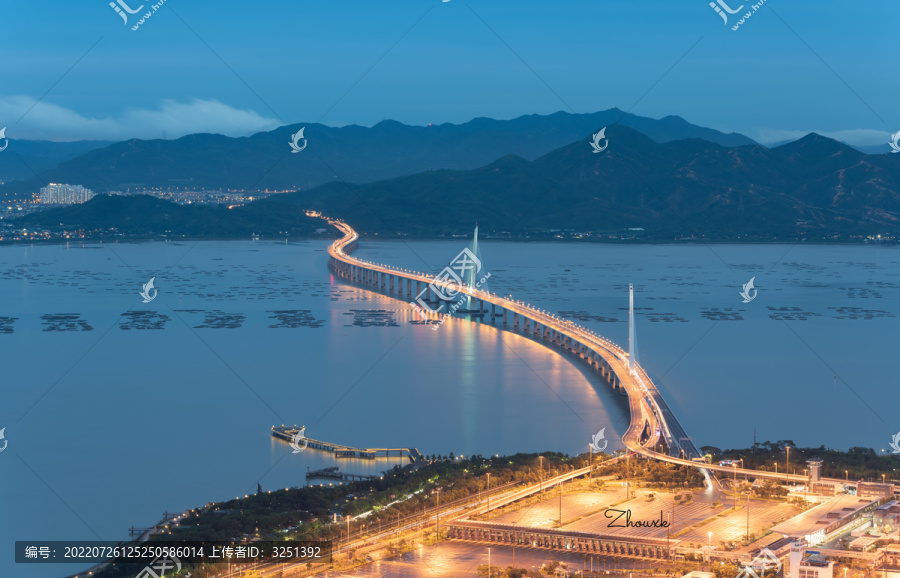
<point x="352" y="153"/>
<point x="23" y="158"/>
<point x="814" y="188"/>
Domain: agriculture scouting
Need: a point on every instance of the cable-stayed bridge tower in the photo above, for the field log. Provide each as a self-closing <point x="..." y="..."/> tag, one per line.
<point x="632" y="332"/>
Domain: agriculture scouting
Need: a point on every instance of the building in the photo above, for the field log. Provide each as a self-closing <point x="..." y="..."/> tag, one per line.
<point x="817" y="524"/>
<point x="59" y="194"/>
<point x="874" y="491"/>
<point x="824" y="488"/>
<point x="815" y="467"/>
<point x="808" y="563"/>
<point x="887" y="561"/>
<point x="887" y="517"/>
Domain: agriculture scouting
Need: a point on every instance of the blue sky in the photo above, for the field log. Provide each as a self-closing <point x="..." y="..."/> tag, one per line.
<point x="240" y="67"/>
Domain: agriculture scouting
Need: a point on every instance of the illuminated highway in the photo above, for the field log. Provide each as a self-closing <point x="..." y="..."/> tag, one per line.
<point x="652" y="421"/>
<point x="645" y="401"/>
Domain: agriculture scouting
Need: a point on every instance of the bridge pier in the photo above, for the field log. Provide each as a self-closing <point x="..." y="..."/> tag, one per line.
<point x="504" y="316"/>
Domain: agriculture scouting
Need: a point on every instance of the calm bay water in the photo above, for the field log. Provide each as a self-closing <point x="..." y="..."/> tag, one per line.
<point x="116" y="410"/>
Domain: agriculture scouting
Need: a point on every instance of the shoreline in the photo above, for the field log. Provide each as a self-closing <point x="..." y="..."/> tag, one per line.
<point x="548" y="240"/>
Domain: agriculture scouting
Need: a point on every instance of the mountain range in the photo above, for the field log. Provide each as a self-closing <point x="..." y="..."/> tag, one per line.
<point x="813" y="188"/>
<point x="351" y="153"/>
<point x="27" y="158"/>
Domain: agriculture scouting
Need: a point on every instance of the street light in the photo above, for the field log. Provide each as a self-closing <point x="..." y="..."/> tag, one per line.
<point x="734" y="467"/>
<point x="542" y="475"/>
<point x="489" y="503"/>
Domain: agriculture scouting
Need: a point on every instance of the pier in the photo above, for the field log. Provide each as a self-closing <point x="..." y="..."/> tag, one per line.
<point x="287" y="433"/>
<point x="335" y="474"/>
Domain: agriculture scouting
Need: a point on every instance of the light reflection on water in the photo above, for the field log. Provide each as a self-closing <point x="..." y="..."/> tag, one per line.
<point x="109" y="427"/>
<point x="136" y="422"/>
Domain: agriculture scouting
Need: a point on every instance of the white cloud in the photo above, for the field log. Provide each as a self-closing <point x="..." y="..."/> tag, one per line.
<point x="47" y="121"/>
<point x="856" y="137"/>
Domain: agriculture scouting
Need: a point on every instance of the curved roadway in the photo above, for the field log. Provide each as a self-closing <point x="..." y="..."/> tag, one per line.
<point x="646" y="403"/>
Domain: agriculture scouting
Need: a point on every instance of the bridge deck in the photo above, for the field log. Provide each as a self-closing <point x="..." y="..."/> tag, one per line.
<point x="646" y="403"/>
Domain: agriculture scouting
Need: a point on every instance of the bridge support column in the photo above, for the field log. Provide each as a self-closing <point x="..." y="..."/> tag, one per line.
<point x="504" y="316"/>
<point x="493" y="311"/>
<point x="515" y="320"/>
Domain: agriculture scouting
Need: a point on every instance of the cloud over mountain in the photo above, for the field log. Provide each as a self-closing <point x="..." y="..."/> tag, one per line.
<point x="44" y="120"/>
